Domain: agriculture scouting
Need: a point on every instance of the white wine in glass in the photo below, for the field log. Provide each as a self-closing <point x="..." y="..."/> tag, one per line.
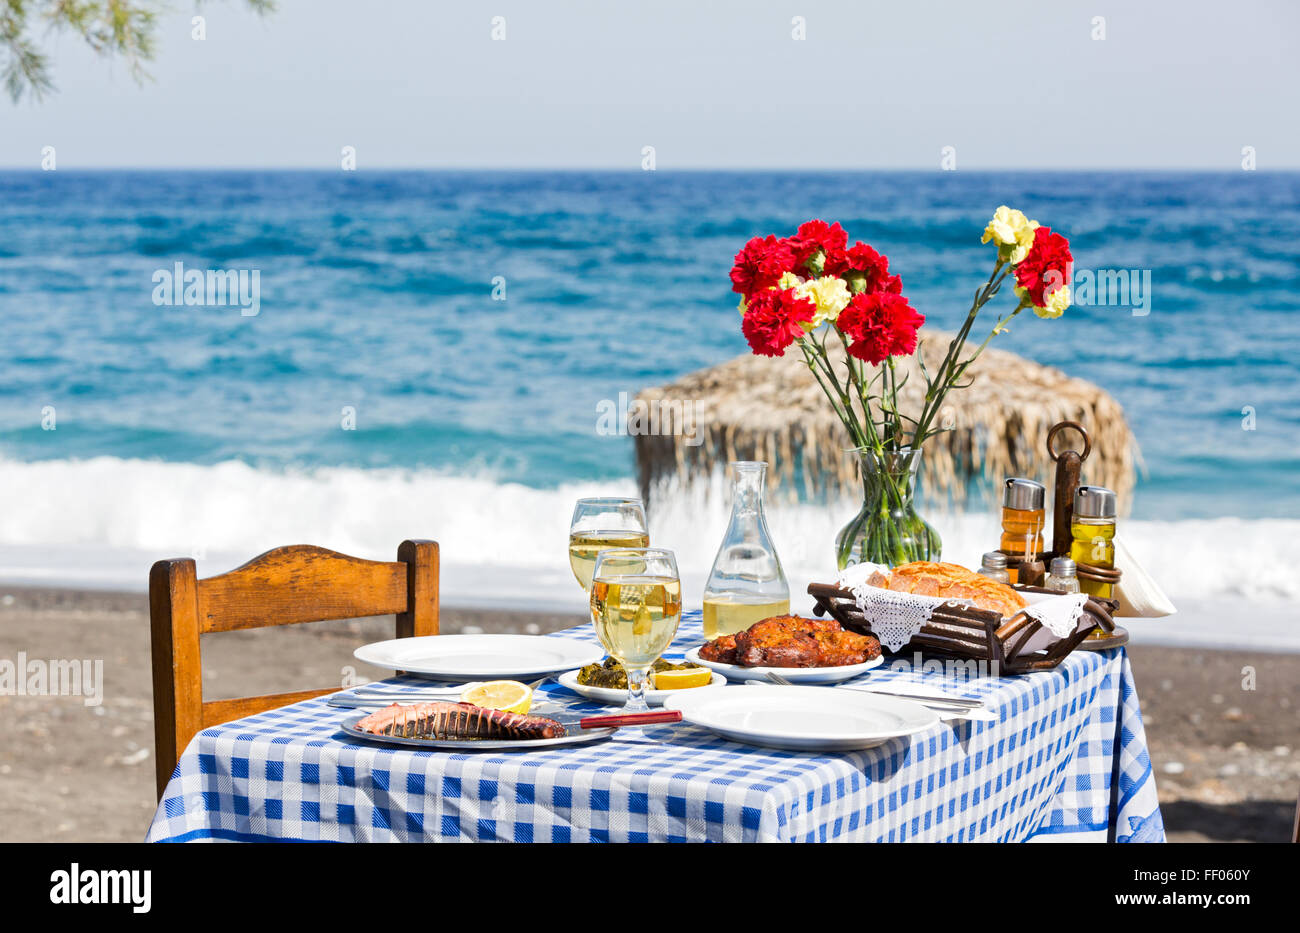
<point x="636" y="617"/>
<point x="636" y="606"/>
<point x="603" y="523"/>
<point x="585" y="545"/>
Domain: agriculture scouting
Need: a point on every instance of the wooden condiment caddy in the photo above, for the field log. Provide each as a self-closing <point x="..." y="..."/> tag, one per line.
<point x="965" y="632"/>
<point x="1069" y="466"/>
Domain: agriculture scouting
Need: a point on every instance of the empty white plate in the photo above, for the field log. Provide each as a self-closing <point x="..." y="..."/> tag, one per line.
<point x="618" y="697"/>
<point x="803" y="718"/>
<point x="796" y="675"/>
<point x="463" y="658"/>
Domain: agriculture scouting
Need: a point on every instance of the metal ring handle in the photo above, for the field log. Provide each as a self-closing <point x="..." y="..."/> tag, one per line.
<point x="1056" y="428"/>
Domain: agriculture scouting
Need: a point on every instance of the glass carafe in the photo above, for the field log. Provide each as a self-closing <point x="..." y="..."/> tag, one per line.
<point x="746" y="583"/>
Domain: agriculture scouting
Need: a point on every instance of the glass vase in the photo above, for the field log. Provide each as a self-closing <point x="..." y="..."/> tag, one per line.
<point x="888" y="529"/>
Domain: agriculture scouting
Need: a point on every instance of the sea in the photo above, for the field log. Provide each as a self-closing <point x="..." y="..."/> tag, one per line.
<point x="429" y="353"/>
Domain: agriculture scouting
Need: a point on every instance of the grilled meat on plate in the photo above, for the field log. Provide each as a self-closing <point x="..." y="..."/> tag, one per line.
<point x="792" y="641"/>
<point x="722" y="650"/>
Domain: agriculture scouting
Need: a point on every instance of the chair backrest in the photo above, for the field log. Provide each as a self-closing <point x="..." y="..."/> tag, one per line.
<point x="284" y="586"/>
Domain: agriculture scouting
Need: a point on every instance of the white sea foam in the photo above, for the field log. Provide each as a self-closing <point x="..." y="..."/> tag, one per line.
<point x="100" y="522"/>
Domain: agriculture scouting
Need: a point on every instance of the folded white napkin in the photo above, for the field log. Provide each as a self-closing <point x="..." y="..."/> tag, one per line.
<point x="1060" y="614"/>
<point x="1139" y="596"/>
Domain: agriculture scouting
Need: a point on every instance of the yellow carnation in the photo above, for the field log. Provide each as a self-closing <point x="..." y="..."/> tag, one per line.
<point x="1057" y="302"/>
<point x="831" y="295"/>
<point x="1013" y="233"/>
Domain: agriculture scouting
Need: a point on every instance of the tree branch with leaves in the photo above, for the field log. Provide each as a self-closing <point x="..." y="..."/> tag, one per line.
<point x="124" y="29"/>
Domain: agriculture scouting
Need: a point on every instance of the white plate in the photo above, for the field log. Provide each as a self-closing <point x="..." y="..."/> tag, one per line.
<point x="805" y="719"/>
<point x="618" y="697"/>
<point x="464" y="658"/>
<point x="473" y="745"/>
<point x="797" y="675"/>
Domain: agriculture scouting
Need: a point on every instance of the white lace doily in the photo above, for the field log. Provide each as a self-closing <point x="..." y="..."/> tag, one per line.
<point x="895" y="617"/>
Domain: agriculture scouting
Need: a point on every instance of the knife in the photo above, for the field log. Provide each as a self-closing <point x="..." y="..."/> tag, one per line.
<point x="944" y="700"/>
<point x="570" y="720"/>
<point x="936" y="699"/>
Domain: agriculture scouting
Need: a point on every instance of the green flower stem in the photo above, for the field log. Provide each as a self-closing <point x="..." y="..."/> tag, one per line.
<point x="951" y="370"/>
<point x="845" y="414"/>
<point x="997" y="328"/>
<point x="855" y="376"/>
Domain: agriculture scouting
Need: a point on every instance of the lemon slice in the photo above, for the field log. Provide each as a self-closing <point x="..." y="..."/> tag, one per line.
<point x="508" y="695"/>
<point x="680" y="680"/>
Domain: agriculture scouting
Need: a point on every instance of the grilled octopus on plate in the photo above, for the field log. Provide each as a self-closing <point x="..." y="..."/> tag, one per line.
<point x="457" y="721"/>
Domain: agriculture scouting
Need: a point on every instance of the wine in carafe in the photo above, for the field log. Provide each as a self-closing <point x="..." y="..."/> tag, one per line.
<point x="727" y="615"/>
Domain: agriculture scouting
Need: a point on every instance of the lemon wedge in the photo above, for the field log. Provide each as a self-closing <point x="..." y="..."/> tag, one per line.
<point x="680" y="680"/>
<point x="508" y="695"/>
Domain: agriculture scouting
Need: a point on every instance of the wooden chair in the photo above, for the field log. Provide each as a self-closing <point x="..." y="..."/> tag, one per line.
<point x="284" y="586"/>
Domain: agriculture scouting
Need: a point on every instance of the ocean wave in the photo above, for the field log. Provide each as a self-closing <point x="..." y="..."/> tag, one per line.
<point x="504" y="536"/>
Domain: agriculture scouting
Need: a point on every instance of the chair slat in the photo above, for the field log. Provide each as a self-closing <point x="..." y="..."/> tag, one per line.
<point x="215" y="712"/>
<point x="300" y="583"/>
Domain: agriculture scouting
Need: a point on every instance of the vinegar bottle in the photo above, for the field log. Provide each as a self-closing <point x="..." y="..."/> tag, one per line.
<point x="746" y="583"/>
<point x="1022" y="518"/>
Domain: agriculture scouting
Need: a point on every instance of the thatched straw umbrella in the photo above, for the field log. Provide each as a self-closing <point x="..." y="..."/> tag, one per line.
<point x="757" y="408"/>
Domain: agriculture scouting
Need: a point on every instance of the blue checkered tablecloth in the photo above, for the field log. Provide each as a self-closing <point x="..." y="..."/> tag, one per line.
<point x="1066" y="760"/>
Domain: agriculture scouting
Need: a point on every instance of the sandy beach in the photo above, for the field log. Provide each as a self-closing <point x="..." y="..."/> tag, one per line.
<point x="1225" y="756"/>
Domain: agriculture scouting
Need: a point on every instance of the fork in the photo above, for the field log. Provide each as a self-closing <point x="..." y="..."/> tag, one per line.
<point x="944" y="702"/>
<point x="360" y="695"/>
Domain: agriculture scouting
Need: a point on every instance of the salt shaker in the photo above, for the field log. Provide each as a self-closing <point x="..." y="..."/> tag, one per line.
<point x="1062" y="577"/>
<point x="994" y="566"/>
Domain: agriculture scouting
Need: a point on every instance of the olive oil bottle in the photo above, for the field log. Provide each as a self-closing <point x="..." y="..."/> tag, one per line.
<point x="1092" y="530"/>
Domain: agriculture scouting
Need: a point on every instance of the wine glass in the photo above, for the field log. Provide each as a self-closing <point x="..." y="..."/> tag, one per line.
<point x="603" y="523"/>
<point x="636" y="605"/>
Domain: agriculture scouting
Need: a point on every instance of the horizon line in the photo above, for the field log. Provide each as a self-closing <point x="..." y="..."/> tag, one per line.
<point x="700" y="169"/>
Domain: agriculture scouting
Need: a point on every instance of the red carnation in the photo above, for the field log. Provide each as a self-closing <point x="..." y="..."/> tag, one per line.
<point x="880" y="325"/>
<point x="873" y="267"/>
<point x="773" y="318"/>
<point x="1047" y="266"/>
<point x="760" y="264"/>
<point x="818" y="236"/>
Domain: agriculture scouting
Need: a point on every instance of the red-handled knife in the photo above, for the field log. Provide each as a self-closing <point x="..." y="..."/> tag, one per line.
<point x="625" y="719"/>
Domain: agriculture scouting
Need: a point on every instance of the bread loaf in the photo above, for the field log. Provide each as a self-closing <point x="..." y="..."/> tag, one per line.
<point x="950" y="581"/>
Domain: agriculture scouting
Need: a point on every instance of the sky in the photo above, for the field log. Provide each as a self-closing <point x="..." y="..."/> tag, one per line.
<point x="889" y="85"/>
